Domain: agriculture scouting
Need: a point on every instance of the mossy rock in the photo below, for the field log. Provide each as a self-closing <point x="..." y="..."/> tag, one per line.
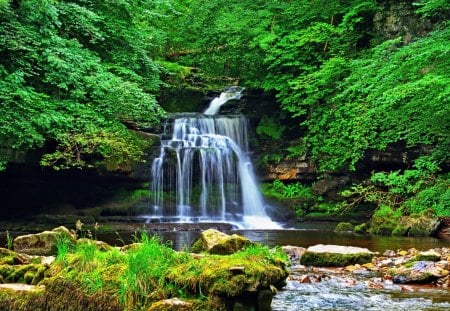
<point x="362" y="228"/>
<point x="344" y="227"/>
<point x="215" y="242"/>
<point x="43" y="243"/>
<point x="428" y="256"/>
<point x="382" y="229"/>
<point x="335" y="256"/>
<point x="9" y="257"/>
<point x="400" y="230"/>
<point x="28" y="274"/>
<point x="100" y="245"/>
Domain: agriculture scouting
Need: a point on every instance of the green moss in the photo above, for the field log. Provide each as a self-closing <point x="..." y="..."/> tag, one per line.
<point x="344" y="227"/>
<point x="28" y="274"/>
<point x="334" y="259"/>
<point x="427" y="257"/>
<point x="362" y="228"/>
<point x="400" y="230"/>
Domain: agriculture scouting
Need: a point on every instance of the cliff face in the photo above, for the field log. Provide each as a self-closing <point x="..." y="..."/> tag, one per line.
<point x="398" y="19"/>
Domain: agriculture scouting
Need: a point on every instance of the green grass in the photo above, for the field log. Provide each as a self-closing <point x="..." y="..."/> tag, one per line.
<point x="150" y="271"/>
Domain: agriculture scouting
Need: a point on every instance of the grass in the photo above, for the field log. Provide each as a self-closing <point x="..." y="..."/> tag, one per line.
<point x="151" y="271"/>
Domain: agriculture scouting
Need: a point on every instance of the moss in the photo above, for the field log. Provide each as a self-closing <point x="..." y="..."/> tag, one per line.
<point x="28" y="274"/>
<point x="32" y="300"/>
<point x="344" y="227"/>
<point x="427" y="257"/>
<point x="334" y="259"/>
<point x="382" y="229"/>
<point x="400" y="230"/>
<point x="362" y="228"/>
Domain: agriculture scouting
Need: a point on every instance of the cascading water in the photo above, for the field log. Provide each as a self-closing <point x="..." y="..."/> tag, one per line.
<point x="203" y="172"/>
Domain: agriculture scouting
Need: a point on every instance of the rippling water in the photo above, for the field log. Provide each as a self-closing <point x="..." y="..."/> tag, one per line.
<point x="337" y="294"/>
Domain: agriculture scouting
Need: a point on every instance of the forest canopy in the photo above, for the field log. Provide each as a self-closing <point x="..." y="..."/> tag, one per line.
<point x="73" y="73"/>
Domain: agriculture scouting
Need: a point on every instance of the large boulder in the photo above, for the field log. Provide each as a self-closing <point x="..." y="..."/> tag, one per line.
<point x="335" y="256"/>
<point x="216" y="242"/>
<point x="43" y="243"/>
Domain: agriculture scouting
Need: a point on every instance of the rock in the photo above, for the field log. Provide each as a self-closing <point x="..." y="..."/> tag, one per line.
<point x="389" y="253"/>
<point x="173" y="304"/>
<point x="294" y="253"/>
<point x="335" y="256"/>
<point x="304" y="279"/>
<point x="12" y="258"/>
<point x="28" y="273"/>
<point x="216" y="242"/>
<point x="100" y="245"/>
<point x="44" y="243"/>
<point x="324" y="186"/>
<point x="430" y="255"/>
<point x="361" y="228"/>
<point x="131" y="246"/>
<point x="344" y="227"/>
<point x="419" y="272"/>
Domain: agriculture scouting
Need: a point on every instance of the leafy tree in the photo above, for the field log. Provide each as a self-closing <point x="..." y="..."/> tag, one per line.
<point x="71" y="72"/>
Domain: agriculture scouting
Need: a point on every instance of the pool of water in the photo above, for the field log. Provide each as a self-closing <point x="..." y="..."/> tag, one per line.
<point x="297" y="237"/>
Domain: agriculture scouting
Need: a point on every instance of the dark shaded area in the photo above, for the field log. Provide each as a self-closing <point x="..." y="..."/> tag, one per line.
<point x="26" y="191"/>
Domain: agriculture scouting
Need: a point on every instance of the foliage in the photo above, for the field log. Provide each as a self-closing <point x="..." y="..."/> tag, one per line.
<point x="71" y="73"/>
<point x="280" y="190"/>
<point x="268" y="127"/>
<point x="412" y="191"/>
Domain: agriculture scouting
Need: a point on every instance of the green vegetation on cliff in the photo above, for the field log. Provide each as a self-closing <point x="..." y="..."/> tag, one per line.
<point x="74" y="74"/>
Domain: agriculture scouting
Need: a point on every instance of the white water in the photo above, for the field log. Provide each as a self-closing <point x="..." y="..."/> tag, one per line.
<point x="204" y="164"/>
<point x="216" y="103"/>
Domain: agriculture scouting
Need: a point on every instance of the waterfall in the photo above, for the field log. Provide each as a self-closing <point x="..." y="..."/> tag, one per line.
<point x="203" y="172"/>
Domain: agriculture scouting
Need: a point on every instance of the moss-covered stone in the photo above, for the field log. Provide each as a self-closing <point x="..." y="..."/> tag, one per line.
<point x="42" y="244"/>
<point x="428" y="256"/>
<point x="216" y="242"/>
<point x="335" y="256"/>
<point x="400" y="230"/>
<point x="28" y="274"/>
<point x="100" y="245"/>
<point x="9" y="257"/>
<point x="344" y="227"/>
<point x="361" y="228"/>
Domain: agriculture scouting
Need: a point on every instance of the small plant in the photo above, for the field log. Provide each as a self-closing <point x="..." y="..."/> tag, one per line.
<point x="9" y="240"/>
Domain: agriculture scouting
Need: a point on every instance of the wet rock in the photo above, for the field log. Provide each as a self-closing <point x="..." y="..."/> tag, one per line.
<point x="335" y="256"/>
<point x="44" y="243"/>
<point x="419" y="272"/>
<point x="216" y="242"/>
<point x="294" y="253"/>
<point x="304" y="279"/>
<point x="173" y="304"/>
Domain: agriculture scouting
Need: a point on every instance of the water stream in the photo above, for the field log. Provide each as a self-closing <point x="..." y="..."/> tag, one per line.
<point x="203" y="172"/>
